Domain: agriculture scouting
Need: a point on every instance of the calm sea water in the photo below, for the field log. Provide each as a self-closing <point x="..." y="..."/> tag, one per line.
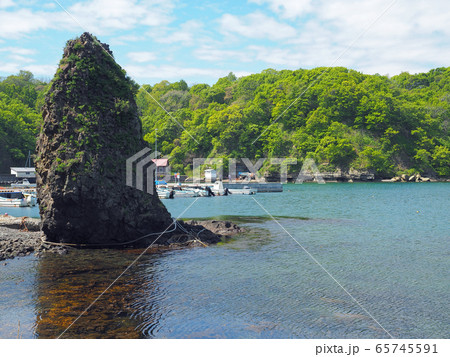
<point x="386" y="244"/>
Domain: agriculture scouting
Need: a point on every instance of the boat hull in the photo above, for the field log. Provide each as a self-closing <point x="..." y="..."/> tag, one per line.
<point x="163" y="194"/>
<point x="13" y="202"/>
<point x="243" y="191"/>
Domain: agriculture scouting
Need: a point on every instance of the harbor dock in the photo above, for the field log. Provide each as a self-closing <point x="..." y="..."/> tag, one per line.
<point x="259" y="186"/>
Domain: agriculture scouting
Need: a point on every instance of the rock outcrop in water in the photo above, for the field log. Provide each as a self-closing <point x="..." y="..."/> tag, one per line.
<point x="91" y="126"/>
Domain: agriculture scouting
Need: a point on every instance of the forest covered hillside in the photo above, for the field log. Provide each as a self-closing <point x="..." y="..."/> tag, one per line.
<point x="21" y="98"/>
<point x="341" y="118"/>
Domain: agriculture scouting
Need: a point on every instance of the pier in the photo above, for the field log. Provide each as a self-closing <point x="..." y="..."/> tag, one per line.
<point x="260" y="186"/>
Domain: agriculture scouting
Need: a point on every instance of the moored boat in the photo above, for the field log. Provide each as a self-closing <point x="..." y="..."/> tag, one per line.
<point x="13" y="199"/>
<point x="163" y="193"/>
<point x="243" y="191"/>
<point x="218" y="188"/>
<point x="186" y="192"/>
<point x="23" y="184"/>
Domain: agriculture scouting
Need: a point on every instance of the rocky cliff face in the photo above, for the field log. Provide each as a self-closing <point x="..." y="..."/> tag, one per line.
<point x="90" y="128"/>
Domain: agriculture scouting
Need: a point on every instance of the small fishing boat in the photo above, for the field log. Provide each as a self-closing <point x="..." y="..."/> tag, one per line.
<point x="218" y="188"/>
<point x="186" y="192"/>
<point x="23" y="184"/>
<point x="243" y="191"/>
<point x="203" y="192"/>
<point x="13" y="199"/>
<point x="163" y="193"/>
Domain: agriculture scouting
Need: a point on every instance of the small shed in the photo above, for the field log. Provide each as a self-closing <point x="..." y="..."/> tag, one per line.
<point x="210" y="175"/>
<point x="162" y="166"/>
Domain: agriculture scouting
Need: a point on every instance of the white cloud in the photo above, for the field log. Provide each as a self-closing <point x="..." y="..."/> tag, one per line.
<point x="277" y="56"/>
<point x="98" y="16"/>
<point x="18" y="50"/>
<point x="170" y="72"/>
<point x="210" y="53"/>
<point x="9" y="68"/>
<point x="413" y="35"/>
<point x="287" y="8"/>
<point x="125" y="39"/>
<point x="141" y="57"/>
<point x="20" y="59"/>
<point x="104" y="16"/>
<point x="6" y="3"/>
<point x="410" y="35"/>
<point x="256" y="25"/>
<point x="49" y="5"/>
<point x="46" y="70"/>
<point x="14" y="24"/>
<point x="15" y="58"/>
<point x="186" y="34"/>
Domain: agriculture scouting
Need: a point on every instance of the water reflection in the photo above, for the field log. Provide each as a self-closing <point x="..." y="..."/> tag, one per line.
<point x="67" y="285"/>
<point x="393" y="260"/>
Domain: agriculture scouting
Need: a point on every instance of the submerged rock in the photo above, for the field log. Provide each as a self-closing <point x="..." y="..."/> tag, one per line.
<point x="224" y="228"/>
<point x="91" y="126"/>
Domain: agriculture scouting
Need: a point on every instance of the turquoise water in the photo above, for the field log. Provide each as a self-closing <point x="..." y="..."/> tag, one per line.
<point x="20" y="211"/>
<point x="386" y="244"/>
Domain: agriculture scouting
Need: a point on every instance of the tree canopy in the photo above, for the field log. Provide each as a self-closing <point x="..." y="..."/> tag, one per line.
<point x="21" y="97"/>
<point x="340" y="117"/>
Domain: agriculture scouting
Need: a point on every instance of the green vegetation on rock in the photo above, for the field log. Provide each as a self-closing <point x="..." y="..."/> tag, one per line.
<point x="90" y="128"/>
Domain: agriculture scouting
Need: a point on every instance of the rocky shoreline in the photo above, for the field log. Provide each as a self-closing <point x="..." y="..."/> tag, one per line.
<point x="22" y="236"/>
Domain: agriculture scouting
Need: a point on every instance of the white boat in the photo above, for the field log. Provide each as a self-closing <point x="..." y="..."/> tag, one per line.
<point x="31" y="199"/>
<point x="13" y="199"/>
<point x="218" y="188"/>
<point x="23" y="184"/>
<point x="243" y="191"/>
<point x="162" y="193"/>
<point x="199" y="191"/>
<point x="203" y="193"/>
<point x="185" y="192"/>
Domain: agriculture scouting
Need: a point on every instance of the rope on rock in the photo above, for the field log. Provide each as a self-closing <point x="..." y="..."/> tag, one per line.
<point x="196" y="237"/>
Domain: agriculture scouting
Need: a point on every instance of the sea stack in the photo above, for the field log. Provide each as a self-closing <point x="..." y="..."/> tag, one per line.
<point x="90" y="128"/>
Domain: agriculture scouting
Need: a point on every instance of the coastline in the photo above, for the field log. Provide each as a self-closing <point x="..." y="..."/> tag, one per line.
<point x="22" y="236"/>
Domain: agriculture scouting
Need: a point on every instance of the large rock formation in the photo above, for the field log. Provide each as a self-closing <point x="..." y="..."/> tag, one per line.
<point x="90" y="128"/>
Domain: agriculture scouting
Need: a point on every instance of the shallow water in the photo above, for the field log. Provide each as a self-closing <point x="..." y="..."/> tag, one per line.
<point x="386" y="244"/>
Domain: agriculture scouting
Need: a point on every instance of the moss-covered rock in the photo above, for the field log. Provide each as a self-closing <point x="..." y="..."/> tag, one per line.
<point x="91" y="126"/>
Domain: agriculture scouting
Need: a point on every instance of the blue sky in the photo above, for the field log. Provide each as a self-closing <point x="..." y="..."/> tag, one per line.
<point x="201" y="41"/>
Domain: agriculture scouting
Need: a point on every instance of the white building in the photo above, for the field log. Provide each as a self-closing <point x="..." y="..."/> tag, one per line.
<point x="23" y="172"/>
